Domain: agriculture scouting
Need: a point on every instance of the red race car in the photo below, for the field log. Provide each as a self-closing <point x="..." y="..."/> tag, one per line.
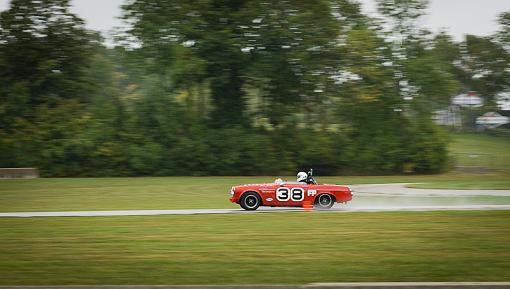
<point x="289" y="194"/>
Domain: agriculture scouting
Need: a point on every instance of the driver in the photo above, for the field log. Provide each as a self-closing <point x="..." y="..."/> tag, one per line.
<point x="302" y="177"/>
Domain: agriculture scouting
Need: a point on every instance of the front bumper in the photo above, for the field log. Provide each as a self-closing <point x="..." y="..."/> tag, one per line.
<point x="233" y="198"/>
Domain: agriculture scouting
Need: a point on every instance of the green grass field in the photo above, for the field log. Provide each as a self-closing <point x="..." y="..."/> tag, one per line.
<point x="257" y="248"/>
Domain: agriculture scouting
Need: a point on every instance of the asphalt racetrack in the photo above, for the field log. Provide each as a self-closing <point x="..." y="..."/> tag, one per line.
<point x="366" y="198"/>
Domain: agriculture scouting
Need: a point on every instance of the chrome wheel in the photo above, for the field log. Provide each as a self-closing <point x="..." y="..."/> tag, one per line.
<point x="250" y="201"/>
<point x="324" y="201"/>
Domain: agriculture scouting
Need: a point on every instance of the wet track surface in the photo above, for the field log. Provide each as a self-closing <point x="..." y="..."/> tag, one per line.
<point x="401" y="189"/>
<point x="241" y="211"/>
<point x="366" y="198"/>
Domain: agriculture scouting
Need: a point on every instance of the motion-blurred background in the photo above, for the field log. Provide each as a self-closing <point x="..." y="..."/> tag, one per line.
<point x="256" y="89"/>
<point x="247" y="88"/>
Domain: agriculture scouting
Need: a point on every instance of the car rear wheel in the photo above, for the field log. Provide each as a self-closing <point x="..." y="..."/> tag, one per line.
<point x="325" y="201"/>
<point x="250" y="201"/>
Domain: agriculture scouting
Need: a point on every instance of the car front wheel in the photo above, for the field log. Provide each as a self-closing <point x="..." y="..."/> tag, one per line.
<point x="324" y="201"/>
<point x="250" y="201"/>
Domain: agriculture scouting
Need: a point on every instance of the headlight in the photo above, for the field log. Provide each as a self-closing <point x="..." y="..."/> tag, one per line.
<point x="232" y="191"/>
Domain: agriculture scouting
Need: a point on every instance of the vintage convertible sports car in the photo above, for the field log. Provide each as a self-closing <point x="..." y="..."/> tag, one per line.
<point x="289" y="194"/>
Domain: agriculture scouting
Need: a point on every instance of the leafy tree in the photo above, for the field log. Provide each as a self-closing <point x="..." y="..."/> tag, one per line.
<point x="503" y="34"/>
<point x="205" y="26"/>
<point x="485" y="64"/>
<point x="45" y="49"/>
<point x="237" y="87"/>
<point x="271" y="46"/>
<point x="44" y="53"/>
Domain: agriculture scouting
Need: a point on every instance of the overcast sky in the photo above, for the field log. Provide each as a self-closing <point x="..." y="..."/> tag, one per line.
<point x="458" y="17"/>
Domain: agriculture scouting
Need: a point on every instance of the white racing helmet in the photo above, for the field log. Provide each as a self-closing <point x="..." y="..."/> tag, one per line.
<point x="301" y="176"/>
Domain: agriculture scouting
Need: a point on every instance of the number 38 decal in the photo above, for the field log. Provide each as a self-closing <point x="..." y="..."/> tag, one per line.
<point x="284" y="194"/>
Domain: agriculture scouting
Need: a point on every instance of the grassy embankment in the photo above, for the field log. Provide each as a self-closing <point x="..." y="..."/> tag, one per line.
<point x="257" y="248"/>
<point x="478" y="150"/>
<point x="481" y="150"/>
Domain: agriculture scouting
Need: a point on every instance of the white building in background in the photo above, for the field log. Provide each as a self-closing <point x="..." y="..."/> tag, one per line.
<point x="470" y="99"/>
<point x="452" y="115"/>
<point x="449" y="117"/>
<point x="503" y="100"/>
<point x="492" y="120"/>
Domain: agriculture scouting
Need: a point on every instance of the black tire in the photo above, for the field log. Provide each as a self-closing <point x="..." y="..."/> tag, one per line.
<point x="250" y="201"/>
<point x="324" y="202"/>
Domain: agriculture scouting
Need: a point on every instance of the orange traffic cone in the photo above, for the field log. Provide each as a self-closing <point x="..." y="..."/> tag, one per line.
<point x="307" y="206"/>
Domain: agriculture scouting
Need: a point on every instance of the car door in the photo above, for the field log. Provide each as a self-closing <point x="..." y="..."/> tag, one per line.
<point x="268" y="194"/>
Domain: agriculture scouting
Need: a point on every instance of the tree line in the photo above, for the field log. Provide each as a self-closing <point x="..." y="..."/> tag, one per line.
<point x="236" y="87"/>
